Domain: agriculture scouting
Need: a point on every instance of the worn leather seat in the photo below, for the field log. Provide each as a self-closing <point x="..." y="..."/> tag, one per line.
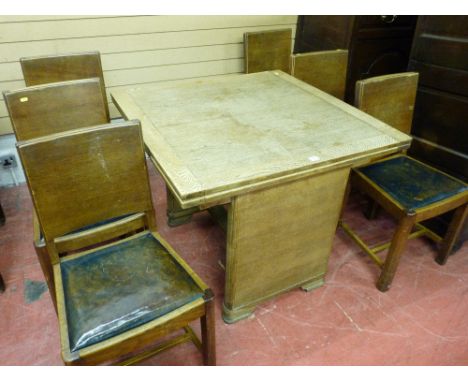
<point x="105" y="296"/>
<point x="411" y="183"/>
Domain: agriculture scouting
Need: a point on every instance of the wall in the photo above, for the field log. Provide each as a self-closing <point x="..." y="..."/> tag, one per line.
<point x="134" y="49"/>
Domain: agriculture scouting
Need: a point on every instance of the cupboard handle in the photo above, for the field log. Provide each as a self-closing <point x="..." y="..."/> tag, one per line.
<point x="388" y="19"/>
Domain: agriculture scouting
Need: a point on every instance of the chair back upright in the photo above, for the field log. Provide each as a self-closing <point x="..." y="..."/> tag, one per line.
<point x="389" y="98"/>
<point x="52" y="108"/>
<point x="87" y="176"/>
<point x="64" y="67"/>
<point x="267" y="50"/>
<point x="326" y="70"/>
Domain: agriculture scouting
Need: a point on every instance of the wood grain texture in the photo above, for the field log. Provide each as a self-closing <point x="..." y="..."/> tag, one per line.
<point x="53" y="108"/>
<point x="280" y="238"/>
<point x="87" y="176"/>
<point x="389" y="98"/>
<point x="47" y="109"/>
<point x="268" y="50"/>
<point x="275" y="146"/>
<point x="325" y="70"/>
<point x="377" y="45"/>
<point x="63" y="67"/>
<point x="112" y="181"/>
<point x="215" y="138"/>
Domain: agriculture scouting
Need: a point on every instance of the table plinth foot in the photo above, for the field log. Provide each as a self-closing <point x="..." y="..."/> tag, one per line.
<point x="314" y="284"/>
<point x="176" y="215"/>
<point x="174" y="220"/>
<point x="231" y="316"/>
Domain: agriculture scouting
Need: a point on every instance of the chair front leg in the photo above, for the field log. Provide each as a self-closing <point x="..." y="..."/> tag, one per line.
<point x="452" y="234"/>
<point x="392" y="260"/>
<point x="208" y="331"/>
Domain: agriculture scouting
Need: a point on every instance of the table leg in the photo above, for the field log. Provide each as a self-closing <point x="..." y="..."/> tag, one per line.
<point x="176" y="215"/>
<point x="280" y="238"/>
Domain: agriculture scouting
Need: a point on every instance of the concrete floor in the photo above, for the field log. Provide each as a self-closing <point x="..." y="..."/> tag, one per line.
<point x="422" y="320"/>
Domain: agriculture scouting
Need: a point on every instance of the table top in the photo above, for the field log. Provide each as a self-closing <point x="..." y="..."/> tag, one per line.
<point x="215" y="138"/>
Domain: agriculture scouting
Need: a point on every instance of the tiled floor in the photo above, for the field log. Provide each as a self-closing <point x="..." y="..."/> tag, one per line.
<point x="422" y="320"/>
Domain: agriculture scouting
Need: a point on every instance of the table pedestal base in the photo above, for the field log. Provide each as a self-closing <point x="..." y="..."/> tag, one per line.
<point x="231" y="316"/>
<point x="280" y="238"/>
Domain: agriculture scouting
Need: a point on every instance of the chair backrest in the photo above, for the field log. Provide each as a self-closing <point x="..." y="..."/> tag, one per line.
<point x="326" y="70"/>
<point x="63" y="67"/>
<point x="47" y="109"/>
<point x="389" y="98"/>
<point x="267" y="50"/>
<point x="85" y="177"/>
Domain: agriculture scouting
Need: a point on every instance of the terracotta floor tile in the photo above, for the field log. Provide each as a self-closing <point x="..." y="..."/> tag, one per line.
<point x="421" y="320"/>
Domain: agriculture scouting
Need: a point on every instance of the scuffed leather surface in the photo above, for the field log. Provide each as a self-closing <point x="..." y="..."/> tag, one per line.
<point x="412" y="184"/>
<point x="119" y="288"/>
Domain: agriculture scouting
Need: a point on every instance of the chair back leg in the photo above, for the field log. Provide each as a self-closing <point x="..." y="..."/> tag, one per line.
<point x="452" y="234"/>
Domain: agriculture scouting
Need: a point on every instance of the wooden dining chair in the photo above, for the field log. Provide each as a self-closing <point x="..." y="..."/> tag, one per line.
<point x="409" y="190"/>
<point x="267" y="50"/>
<point x="123" y="287"/>
<point x="326" y="70"/>
<point x="41" y="110"/>
<point x="64" y="67"/>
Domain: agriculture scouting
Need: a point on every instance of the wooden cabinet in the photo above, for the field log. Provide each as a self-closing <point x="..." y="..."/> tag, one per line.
<point x="440" y="129"/>
<point x="377" y="44"/>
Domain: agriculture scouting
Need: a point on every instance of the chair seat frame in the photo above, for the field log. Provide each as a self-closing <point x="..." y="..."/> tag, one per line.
<point x="406" y="221"/>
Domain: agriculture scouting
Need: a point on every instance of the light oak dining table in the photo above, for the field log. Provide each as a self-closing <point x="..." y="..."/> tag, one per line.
<point x="276" y="152"/>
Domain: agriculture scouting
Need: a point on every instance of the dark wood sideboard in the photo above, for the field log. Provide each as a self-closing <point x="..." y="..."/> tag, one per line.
<point x="440" y="127"/>
<point x="377" y="44"/>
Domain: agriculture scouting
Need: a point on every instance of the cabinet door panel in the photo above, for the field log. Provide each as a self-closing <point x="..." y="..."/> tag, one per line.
<point x="441" y="118"/>
<point x="449" y="80"/>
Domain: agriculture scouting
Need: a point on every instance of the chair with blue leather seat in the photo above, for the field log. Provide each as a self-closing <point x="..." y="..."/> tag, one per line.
<point x="409" y="190"/>
<point x="119" y="285"/>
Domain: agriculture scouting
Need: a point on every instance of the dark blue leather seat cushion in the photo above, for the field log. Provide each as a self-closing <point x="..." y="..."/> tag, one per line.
<point x="411" y="183"/>
<point x="112" y="290"/>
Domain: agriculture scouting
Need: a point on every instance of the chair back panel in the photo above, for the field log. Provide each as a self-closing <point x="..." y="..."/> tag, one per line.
<point x="325" y="70"/>
<point x="86" y="176"/>
<point x="63" y="67"/>
<point x="268" y="50"/>
<point x="53" y="108"/>
<point x="389" y="98"/>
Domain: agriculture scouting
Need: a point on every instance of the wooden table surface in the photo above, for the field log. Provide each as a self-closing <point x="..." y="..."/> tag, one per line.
<point x="277" y="152"/>
<point x="219" y="137"/>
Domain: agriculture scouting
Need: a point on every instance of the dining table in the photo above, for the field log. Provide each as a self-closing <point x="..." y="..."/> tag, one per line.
<point x="271" y="151"/>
